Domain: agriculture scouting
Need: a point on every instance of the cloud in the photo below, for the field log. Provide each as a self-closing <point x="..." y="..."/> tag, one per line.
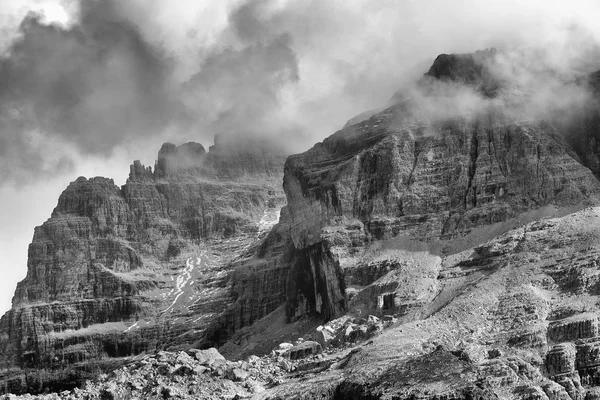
<point x="237" y="88"/>
<point x="99" y="84"/>
<point x="95" y="76"/>
<point x="524" y="82"/>
<point x="90" y="85"/>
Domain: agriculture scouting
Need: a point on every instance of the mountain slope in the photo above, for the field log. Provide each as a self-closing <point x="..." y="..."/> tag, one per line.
<point x="519" y="319"/>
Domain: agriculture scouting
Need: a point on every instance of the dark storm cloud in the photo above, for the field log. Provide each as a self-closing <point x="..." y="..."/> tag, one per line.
<point x="100" y="83"/>
<point x="121" y="72"/>
<point x="240" y="87"/>
<point x="92" y="86"/>
<point x="247" y="22"/>
<point x="248" y="80"/>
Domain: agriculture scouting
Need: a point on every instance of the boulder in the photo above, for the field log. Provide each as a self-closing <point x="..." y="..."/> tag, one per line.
<point x="561" y="359"/>
<point x="324" y="336"/>
<point x="239" y="375"/>
<point x="303" y="350"/>
<point x="208" y="357"/>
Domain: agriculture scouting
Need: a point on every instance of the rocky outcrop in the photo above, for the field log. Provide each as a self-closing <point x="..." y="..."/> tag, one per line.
<point x="315" y="284"/>
<point x="561" y="359"/>
<point x="173" y="159"/>
<point x="579" y="326"/>
<point x="473" y="69"/>
<point x="421" y="377"/>
<point x="303" y="350"/>
<point x="120" y="271"/>
<point x="397" y="174"/>
<point x="232" y="156"/>
<point x="389" y="202"/>
<point x="195" y="374"/>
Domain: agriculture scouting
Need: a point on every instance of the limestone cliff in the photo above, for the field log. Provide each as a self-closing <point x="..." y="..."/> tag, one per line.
<point x="119" y="271"/>
<point x="398" y="175"/>
<point x="410" y="213"/>
<point x="415" y="173"/>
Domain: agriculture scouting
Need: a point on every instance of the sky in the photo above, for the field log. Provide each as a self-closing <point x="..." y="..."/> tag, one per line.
<point x="87" y="86"/>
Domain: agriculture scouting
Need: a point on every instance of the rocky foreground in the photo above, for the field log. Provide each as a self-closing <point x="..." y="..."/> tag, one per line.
<point x="416" y="255"/>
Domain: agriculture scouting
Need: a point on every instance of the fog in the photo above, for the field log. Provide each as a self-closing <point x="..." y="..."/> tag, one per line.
<point x="86" y="86"/>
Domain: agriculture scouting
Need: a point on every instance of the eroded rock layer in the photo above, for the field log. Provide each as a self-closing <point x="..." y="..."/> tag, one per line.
<point x="120" y="271"/>
<point x="397" y="174"/>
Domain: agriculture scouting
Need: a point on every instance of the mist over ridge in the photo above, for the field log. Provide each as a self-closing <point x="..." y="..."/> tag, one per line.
<point x="84" y="78"/>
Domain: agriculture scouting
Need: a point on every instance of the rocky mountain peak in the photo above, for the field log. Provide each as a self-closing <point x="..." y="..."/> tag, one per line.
<point x="475" y="70"/>
<point x="172" y="159"/>
<point x="231" y="157"/>
<point x="241" y="155"/>
<point x="466" y="68"/>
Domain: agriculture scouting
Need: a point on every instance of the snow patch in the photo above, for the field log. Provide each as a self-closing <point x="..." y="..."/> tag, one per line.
<point x="183" y="279"/>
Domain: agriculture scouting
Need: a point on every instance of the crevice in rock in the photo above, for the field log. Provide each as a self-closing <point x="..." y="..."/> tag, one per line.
<point x="315" y="285"/>
<point x="416" y="153"/>
<point x="492" y="151"/>
<point x="204" y="227"/>
<point x="474" y="155"/>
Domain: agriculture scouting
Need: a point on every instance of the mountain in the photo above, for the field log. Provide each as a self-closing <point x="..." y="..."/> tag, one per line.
<point x="479" y="232"/>
<point x="445" y="247"/>
<point x="118" y="271"/>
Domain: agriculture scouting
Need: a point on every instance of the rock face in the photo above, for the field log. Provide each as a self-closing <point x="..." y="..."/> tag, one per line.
<point x="473" y="69"/>
<point x="504" y="326"/>
<point x="119" y="271"/>
<point x="398" y="175"/>
<point x="400" y="211"/>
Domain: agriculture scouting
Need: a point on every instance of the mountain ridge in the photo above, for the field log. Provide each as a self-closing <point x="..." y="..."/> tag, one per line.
<point x="412" y="212"/>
